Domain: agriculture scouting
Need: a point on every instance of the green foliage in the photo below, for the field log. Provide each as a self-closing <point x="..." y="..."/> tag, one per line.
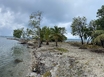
<point x="100" y="12"/>
<point x="92" y="47"/>
<point x="57" y="33"/>
<point x="47" y="33"/>
<point x="26" y="33"/>
<point x="97" y="33"/>
<point x="35" y="19"/>
<point x="47" y="74"/>
<point x="99" y="38"/>
<point x="78" y="27"/>
<point x="62" y="49"/>
<point x="17" y="33"/>
<point x="100" y="20"/>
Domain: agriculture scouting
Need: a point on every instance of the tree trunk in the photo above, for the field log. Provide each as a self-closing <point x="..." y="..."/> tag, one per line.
<point x="81" y="40"/>
<point x="39" y="43"/>
<point x="102" y="43"/>
<point x="47" y="43"/>
<point x="56" y="43"/>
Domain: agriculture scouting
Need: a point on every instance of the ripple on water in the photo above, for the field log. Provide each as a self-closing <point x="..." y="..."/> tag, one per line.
<point x="9" y="51"/>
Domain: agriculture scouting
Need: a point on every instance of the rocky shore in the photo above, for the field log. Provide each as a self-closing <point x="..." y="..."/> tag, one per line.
<point x="65" y="61"/>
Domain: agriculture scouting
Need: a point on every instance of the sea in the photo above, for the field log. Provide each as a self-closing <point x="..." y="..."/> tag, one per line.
<point x="73" y="40"/>
<point x="10" y="52"/>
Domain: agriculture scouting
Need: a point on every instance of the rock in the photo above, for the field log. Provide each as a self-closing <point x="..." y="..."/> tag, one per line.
<point x="23" y="41"/>
<point x="18" y="61"/>
<point x="31" y="42"/>
<point x="32" y="74"/>
<point x="34" y="70"/>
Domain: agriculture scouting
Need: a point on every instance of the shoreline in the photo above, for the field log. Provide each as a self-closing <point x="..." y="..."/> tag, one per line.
<point x="49" y="60"/>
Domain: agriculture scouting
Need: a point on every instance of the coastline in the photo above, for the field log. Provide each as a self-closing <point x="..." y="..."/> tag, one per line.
<point x="48" y="61"/>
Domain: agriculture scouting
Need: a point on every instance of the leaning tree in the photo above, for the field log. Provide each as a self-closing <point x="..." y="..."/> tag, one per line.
<point x="35" y="19"/>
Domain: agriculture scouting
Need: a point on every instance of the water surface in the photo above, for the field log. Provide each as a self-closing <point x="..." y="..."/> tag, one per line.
<point x="10" y="51"/>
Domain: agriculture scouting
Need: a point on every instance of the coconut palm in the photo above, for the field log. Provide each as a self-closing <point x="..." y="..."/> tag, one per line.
<point x="47" y="33"/>
<point x="99" y="37"/>
<point x="57" y="33"/>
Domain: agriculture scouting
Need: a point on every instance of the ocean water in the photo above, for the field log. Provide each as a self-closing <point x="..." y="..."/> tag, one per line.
<point x="73" y="40"/>
<point x="10" y="50"/>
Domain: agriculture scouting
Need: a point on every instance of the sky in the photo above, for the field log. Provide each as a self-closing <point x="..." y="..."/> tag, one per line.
<point x="15" y="14"/>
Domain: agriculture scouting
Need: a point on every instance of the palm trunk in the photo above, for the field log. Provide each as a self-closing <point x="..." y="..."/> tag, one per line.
<point x="47" y="43"/>
<point x="56" y="43"/>
<point x="102" y="43"/>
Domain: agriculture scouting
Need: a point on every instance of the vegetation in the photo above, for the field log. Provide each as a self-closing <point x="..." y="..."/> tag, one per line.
<point x="57" y="33"/>
<point x="93" y="31"/>
<point x="47" y="74"/>
<point x="62" y="49"/>
<point x="78" y="27"/>
<point x="17" y="33"/>
<point x="47" y="33"/>
<point x="35" y="19"/>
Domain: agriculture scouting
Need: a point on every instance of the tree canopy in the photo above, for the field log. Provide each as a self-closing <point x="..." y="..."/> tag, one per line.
<point x="78" y="27"/>
<point x="17" y="33"/>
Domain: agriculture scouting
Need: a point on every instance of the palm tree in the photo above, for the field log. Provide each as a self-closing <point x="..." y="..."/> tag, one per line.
<point x="47" y="34"/>
<point x="99" y="37"/>
<point x="57" y="33"/>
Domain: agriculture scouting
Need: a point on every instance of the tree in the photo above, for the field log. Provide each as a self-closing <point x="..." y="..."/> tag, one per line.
<point x="47" y="33"/>
<point x="100" y="40"/>
<point x="35" y="19"/>
<point x="78" y="27"/>
<point x="56" y="33"/>
<point x="98" y="34"/>
<point x="91" y="27"/>
<point x="17" y="33"/>
<point x="100" y="20"/>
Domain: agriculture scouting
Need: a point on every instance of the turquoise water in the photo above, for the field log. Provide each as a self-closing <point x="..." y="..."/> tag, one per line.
<point x="10" y="50"/>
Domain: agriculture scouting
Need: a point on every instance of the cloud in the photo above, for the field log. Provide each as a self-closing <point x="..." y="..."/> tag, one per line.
<point x="15" y="13"/>
<point x="8" y="23"/>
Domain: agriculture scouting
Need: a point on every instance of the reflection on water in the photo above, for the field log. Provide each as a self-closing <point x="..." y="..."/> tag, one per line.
<point x="10" y="50"/>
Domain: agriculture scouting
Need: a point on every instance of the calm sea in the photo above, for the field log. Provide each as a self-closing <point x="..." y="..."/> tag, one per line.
<point x="10" y="50"/>
<point x="73" y="40"/>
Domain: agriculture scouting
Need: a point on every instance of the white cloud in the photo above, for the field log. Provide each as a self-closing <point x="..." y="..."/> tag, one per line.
<point x="7" y="22"/>
<point x="55" y="12"/>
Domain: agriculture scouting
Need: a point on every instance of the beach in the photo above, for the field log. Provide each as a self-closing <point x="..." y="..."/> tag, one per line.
<point x="70" y="61"/>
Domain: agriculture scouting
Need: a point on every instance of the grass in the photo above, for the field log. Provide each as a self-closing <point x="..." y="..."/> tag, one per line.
<point x="61" y="49"/>
<point x="47" y="74"/>
<point x="77" y="44"/>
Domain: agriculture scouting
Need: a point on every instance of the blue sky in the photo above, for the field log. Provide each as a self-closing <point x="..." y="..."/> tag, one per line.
<point x="15" y="13"/>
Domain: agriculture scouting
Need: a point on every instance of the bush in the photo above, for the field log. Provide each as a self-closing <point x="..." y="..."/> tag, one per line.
<point x="83" y="47"/>
<point x="77" y="44"/>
